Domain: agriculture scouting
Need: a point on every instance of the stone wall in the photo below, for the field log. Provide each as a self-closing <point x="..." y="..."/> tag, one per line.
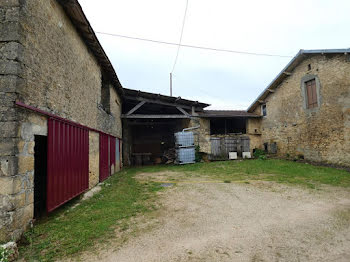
<point x="254" y="132"/>
<point x="202" y="134"/>
<point x="94" y="158"/>
<point x="43" y="63"/>
<point x="11" y="184"/>
<point x="61" y="74"/>
<point x="321" y="134"/>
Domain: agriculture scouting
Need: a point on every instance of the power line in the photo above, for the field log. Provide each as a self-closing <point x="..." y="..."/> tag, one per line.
<point x="182" y="31"/>
<point x="194" y="46"/>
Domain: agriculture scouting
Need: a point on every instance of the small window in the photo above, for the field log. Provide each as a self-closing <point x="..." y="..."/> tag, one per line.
<point x="311" y="94"/>
<point x="266" y="147"/>
<point x="263" y="110"/>
<point x="105" y="95"/>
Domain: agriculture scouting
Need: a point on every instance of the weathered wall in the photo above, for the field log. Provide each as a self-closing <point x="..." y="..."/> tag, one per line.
<point x="43" y="63"/>
<point x="254" y="133"/>
<point x="202" y="134"/>
<point x="11" y="184"/>
<point x="321" y="134"/>
<point x="94" y="158"/>
<point x="61" y="74"/>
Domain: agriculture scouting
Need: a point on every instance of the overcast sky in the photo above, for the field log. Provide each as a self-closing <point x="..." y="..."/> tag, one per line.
<point x="224" y="80"/>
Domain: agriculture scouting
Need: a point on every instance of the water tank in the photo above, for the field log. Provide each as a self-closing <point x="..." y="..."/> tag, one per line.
<point x="184" y="139"/>
<point x="185" y="155"/>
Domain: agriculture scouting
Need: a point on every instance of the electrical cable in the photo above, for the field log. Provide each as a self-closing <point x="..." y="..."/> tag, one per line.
<point x="182" y="31"/>
<point x="194" y="46"/>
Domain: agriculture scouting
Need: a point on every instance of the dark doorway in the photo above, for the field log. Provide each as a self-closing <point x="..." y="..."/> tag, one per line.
<point x="40" y="175"/>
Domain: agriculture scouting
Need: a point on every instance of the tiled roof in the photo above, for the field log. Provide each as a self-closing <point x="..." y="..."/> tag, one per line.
<point x="226" y="113"/>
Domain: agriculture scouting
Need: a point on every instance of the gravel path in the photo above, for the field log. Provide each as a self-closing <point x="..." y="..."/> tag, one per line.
<point x="261" y="221"/>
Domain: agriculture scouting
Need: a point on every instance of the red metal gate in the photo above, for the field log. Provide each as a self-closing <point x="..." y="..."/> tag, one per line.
<point x="107" y="155"/>
<point x="68" y="162"/>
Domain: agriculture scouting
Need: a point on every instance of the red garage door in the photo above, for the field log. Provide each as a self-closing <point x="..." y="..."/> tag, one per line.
<point x="107" y="155"/>
<point x="68" y="162"/>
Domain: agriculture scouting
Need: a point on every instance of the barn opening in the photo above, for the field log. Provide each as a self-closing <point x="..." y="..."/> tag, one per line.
<point x="149" y="124"/>
<point x="40" y="175"/>
<point x="225" y="126"/>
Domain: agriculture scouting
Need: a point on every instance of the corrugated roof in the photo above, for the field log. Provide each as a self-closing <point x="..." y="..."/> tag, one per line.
<point x="82" y="25"/>
<point x="226" y="113"/>
<point x="298" y="58"/>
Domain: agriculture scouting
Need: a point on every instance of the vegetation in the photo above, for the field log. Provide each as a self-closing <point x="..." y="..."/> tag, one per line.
<point x="260" y="154"/>
<point x="70" y="230"/>
<point x="4" y="254"/>
<point x="281" y="171"/>
<point x="198" y="155"/>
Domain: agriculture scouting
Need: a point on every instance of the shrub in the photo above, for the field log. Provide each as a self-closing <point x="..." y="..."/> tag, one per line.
<point x="260" y="154"/>
<point x="198" y="155"/>
<point x="4" y="254"/>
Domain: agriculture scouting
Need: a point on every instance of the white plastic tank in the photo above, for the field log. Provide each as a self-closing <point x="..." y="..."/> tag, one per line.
<point x="184" y="139"/>
<point x="186" y="155"/>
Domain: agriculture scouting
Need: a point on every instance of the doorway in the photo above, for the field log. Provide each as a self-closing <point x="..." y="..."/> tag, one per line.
<point x="40" y="175"/>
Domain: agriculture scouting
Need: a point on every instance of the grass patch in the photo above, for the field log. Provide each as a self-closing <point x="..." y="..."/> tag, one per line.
<point x="68" y="231"/>
<point x="281" y="171"/>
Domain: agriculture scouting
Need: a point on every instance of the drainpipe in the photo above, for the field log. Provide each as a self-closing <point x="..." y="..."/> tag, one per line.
<point x="190" y="128"/>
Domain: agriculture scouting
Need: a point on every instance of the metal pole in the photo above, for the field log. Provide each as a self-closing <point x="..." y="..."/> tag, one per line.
<point x="171" y="84"/>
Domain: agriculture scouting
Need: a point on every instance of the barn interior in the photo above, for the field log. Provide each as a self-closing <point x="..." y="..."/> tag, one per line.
<point x="149" y="124"/>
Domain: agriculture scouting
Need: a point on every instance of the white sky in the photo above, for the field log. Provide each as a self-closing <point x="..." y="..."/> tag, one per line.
<point x="225" y="80"/>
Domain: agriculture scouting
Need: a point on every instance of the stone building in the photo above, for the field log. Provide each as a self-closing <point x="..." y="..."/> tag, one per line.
<point x="150" y="121"/>
<point x="60" y="110"/>
<point x="62" y="121"/>
<point x="306" y="109"/>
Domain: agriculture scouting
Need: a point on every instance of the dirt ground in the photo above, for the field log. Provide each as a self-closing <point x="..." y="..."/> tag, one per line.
<point x="260" y="221"/>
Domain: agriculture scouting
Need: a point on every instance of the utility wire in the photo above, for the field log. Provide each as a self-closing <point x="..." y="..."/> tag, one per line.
<point x="182" y="31"/>
<point x="193" y="46"/>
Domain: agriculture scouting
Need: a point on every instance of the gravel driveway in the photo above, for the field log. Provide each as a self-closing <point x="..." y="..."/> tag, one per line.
<point x="260" y="221"/>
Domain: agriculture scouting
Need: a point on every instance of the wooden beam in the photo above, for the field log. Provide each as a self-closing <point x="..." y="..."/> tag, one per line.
<point x="151" y="123"/>
<point x="287" y="73"/>
<point x="261" y="101"/>
<point x="132" y="110"/>
<point x="154" y="116"/>
<point x="152" y="101"/>
<point x="183" y="111"/>
<point x="271" y="91"/>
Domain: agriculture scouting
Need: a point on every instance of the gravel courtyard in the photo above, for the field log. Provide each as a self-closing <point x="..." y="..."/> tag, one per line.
<point x="260" y="221"/>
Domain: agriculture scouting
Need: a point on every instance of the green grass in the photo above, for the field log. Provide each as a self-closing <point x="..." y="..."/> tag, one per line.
<point x="281" y="171"/>
<point x="69" y="231"/>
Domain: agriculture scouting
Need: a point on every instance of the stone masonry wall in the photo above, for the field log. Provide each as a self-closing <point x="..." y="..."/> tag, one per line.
<point x="321" y="134"/>
<point x="202" y="134"/>
<point x="11" y="193"/>
<point x="61" y="74"/>
<point x="43" y="63"/>
<point x="254" y="133"/>
<point x="94" y="159"/>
